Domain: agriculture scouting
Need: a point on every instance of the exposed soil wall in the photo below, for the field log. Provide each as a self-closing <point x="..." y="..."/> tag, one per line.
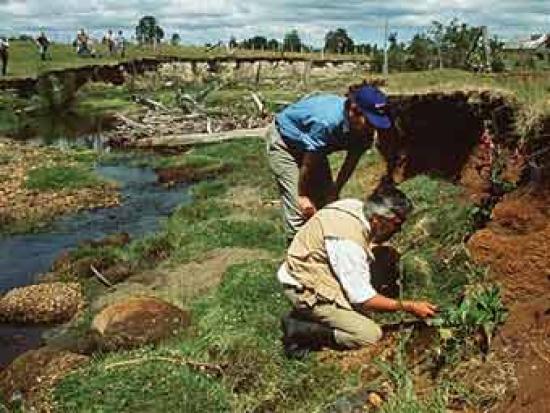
<point x="115" y="73"/>
<point x="470" y="139"/>
<point x="441" y="133"/>
<point x="515" y="246"/>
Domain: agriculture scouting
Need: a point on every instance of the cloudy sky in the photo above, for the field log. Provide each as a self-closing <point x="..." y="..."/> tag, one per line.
<point x="200" y="21"/>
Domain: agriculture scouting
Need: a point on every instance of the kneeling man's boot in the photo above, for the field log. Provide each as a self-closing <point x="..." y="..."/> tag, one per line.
<point x="300" y="337"/>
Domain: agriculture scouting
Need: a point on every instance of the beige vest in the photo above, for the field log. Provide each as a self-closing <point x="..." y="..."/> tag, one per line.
<point x="307" y="258"/>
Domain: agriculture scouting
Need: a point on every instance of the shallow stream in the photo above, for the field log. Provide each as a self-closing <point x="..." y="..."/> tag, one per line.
<point x="144" y="203"/>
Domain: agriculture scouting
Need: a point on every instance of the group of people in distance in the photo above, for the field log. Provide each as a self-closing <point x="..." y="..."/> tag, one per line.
<point x="85" y="45"/>
<point x="41" y="41"/>
<point x="114" y="43"/>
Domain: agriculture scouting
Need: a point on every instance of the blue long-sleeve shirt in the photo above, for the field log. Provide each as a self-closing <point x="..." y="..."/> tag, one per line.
<point x="316" y="124"/>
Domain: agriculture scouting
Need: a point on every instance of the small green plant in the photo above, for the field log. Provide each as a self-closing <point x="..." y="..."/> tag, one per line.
<point x="471" y="324"/>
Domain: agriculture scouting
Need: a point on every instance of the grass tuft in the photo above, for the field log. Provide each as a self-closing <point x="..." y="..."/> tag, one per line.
<point x="61" y="177"/>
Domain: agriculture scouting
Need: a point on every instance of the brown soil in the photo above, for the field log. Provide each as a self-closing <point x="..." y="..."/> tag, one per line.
<point x="515" y="245"/>
<point x="33" y="374"/>
<point x="436" y="135"/>
<point x="42" y="303"/>
<point x="138" y="321"/>
<point x="179" y="284"/>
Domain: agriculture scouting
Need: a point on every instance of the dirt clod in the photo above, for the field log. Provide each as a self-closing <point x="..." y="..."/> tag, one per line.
<point x="42" y="303"/>
<point x="138" y="321"/>
<point x="515" y="245"/>
<point x="32" y="374"/>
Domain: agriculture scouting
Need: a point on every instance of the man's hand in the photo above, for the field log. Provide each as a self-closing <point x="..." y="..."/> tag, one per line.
<point x="307" y="208"/>
<point x="421" y="309"/>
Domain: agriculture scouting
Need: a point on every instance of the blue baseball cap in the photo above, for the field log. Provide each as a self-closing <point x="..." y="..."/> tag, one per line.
<point x="373" y="104"/>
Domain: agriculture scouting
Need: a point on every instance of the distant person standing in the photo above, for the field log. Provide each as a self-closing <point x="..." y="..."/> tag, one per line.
<point x="82" y="43"/>
<point x="4" y="54"/>
<point x="43" y="43"/>
<point x="109" y="39"/>
<point x="121" y="44"/>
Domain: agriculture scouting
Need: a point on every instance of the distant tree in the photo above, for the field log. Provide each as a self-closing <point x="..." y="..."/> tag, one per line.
<point x="292" y="42"/>
<point x="422" y="52"/>
<point x="364" y="48"/>
<point x="148" y="31"/>
<point x="258" y="43"/>
<point x="273" y="44"/>
<point x="454" y="41"/>
<point x="497" y="54"/>
<point x="397" y="54"/>
<point x="338" y="41"/>
<point x="176" y="39"/>
<point x="233" y="42"/>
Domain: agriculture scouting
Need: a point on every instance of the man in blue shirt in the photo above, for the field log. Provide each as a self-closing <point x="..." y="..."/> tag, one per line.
<point x="302" y="136"/>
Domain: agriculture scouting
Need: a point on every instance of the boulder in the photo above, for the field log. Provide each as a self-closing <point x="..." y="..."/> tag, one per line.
<point x="138" y="321"/>
<point x="46" y="303"/>
<point x="30" y="375"/>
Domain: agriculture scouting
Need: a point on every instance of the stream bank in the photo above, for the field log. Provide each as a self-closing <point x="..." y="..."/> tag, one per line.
<point x="139" y="211"/>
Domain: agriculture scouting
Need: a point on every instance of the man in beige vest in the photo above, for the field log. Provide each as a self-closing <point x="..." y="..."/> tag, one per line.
<point x="326" y="274"/>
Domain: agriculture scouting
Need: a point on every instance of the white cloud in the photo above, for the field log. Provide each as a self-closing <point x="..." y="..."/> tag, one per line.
<point x="210" y="20"/>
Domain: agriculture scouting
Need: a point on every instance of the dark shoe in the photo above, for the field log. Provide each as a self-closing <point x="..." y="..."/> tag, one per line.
<point x="292" y="348"/>
<point x="295" y="351"/>
<point x="300" y="336"/>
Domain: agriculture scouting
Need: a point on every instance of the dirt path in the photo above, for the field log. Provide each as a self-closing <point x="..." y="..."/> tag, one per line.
<point x="516" y="246"/>
<point x="179" y="284"/>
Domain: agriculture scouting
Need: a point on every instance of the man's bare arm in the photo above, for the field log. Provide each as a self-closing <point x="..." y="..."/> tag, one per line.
<point x="421" y="309"/>
<point x="310" y="163"/>
<point x="347" y="169"/>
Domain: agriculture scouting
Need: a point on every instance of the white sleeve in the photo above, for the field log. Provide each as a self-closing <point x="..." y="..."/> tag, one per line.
<point x="350" y="264"/>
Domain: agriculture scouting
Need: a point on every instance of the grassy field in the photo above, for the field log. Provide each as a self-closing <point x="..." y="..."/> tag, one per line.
<point x="25" y="59"/>
<point x="237" y="324"/>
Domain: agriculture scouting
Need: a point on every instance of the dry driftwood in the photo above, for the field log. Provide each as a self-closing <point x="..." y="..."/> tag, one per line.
<point x="150" y="103"/>
<point x="100" y="276"/>
<point x="198" y="138"/>
<point x="130" y="122"/>
<point x="259" y="103"/>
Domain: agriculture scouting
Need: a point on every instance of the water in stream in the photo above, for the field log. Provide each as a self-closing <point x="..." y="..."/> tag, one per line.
<point x="23" y="257"/>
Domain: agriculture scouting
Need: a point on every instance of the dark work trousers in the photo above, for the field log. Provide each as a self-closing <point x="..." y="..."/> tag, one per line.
<point x="4" y="59"/>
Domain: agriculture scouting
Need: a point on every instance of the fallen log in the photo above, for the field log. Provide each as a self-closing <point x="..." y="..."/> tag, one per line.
<point x="131" y="123"/>
<point x="192" y="139"/>
<point x="150" y="103"/>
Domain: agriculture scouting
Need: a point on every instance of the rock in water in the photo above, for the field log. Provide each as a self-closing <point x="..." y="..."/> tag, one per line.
<point x="41" y="303"/>
<point x="138" y="321"/>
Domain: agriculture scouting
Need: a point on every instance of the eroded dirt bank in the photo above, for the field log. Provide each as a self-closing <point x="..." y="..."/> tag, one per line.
<point x="515" y="245"/>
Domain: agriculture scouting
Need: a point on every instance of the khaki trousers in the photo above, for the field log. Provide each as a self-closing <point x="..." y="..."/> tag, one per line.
<point x="285" y="166"/>
<point x="352" y="330"/>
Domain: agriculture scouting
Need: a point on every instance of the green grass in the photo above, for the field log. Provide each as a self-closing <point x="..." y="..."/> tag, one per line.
<point x="25" y="59"/>
<point x="61" y="178"/>
<point x="154" y="386"/>
<point x="100" y="97"/>
<point x="237" y="324"/>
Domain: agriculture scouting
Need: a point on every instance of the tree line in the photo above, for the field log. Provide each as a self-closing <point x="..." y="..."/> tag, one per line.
<point x="451" y="45"/>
